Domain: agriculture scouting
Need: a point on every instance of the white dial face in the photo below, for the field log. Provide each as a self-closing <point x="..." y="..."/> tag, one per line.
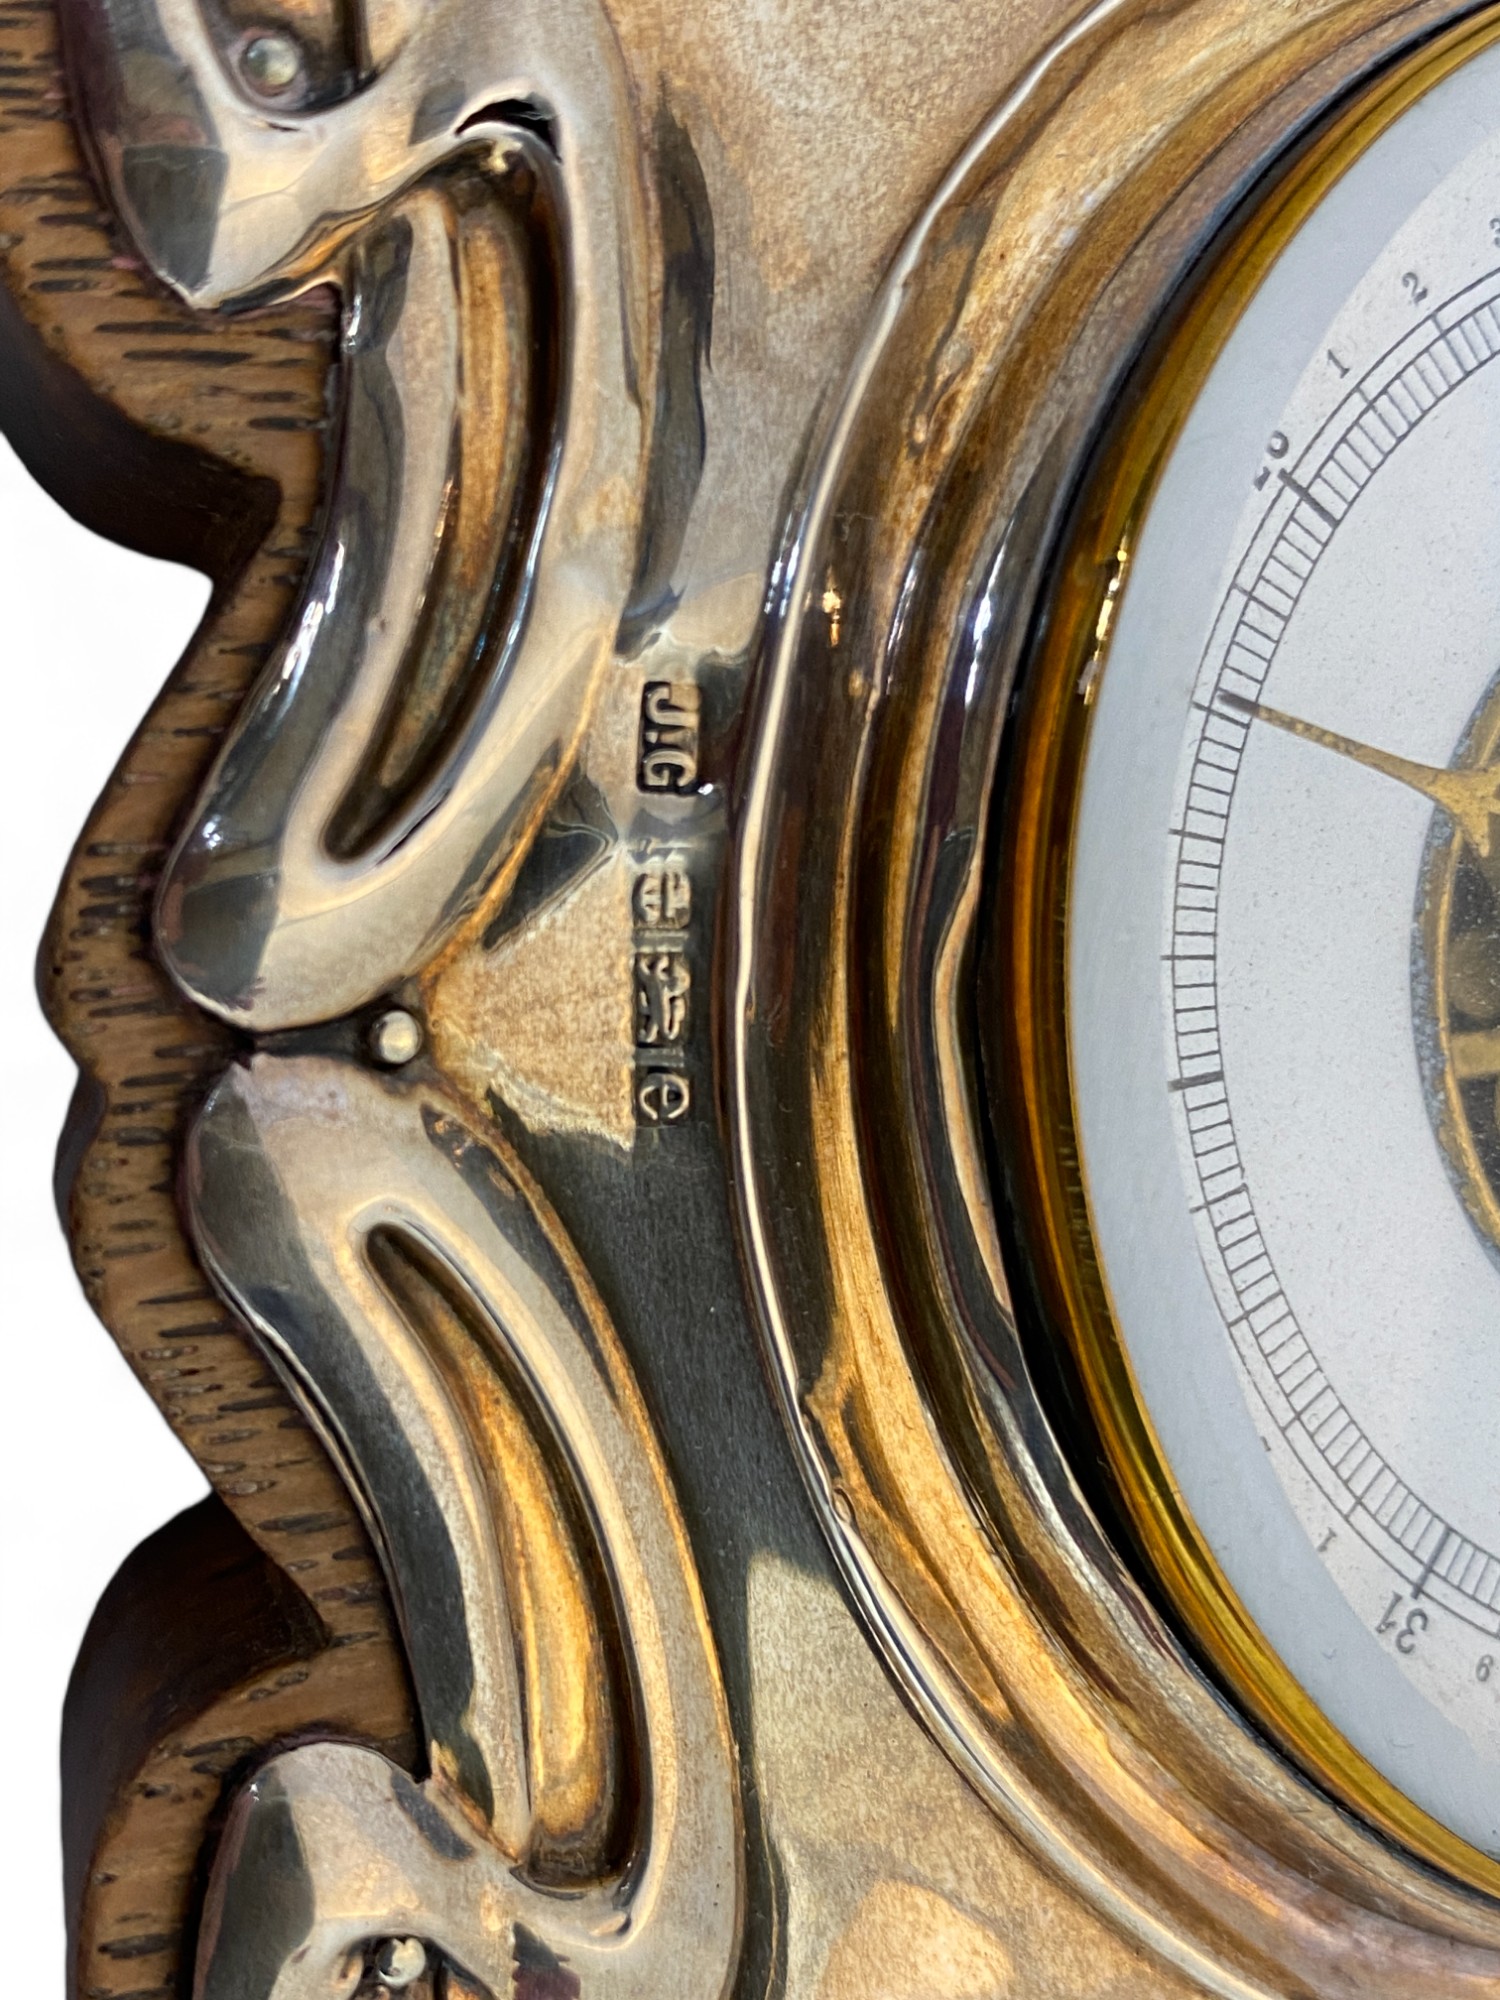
<point x="1284" y="957"/>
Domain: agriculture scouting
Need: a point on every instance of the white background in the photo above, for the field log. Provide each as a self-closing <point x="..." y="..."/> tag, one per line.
<point x="88" y="1468"/>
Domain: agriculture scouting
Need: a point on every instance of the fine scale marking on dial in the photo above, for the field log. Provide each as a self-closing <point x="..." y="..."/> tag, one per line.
<point x="1281" y="995"/>
<point x="1313" y="499"/>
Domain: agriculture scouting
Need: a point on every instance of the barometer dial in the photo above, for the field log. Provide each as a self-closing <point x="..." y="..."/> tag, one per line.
<point x="1280" y="992"/>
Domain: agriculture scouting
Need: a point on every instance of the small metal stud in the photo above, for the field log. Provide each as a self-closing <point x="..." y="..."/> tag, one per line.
<point x="396" y="1038"/>
<point x="271" y="62"/>
<point x="400" y="1962"/>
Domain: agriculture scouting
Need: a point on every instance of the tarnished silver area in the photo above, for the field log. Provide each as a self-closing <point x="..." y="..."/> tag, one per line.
<point x="264" y="917"/>
<point x="300" y="1171"/>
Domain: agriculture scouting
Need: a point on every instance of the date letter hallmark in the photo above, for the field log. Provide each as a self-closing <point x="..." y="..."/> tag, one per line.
<point x="669" y="737"/>
<point x="663" y="1097"/>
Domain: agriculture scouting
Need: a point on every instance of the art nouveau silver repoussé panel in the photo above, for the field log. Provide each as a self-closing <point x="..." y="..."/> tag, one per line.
<point x="788" y="1031"/>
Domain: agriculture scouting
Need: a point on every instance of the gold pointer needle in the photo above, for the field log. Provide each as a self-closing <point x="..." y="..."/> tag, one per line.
<point x="1471" y="798"/>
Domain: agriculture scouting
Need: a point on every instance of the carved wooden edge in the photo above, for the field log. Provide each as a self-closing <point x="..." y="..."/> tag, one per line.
<point x="205" y="444"/>
<point x="197" y="1609"/>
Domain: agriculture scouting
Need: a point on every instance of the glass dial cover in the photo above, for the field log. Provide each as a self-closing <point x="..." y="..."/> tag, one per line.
<point x="1283" y="958"/>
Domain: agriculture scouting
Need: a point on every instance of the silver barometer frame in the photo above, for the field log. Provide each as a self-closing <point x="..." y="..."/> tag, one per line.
<point x="904" y="1149"/>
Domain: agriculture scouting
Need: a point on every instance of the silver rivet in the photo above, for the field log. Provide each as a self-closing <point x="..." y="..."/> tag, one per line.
<point x="271" y="62"/>
<point x="400" y="1962"/>
<point x="395" y="1038"/>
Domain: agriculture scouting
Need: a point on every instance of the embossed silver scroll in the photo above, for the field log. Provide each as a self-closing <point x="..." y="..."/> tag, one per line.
<point x="402" y="747"/>
<point x="611" y="894"/>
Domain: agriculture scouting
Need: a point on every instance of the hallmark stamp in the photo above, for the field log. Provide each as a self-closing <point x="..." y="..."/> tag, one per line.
<point x="663" y="897"/>
<point x="662" y="985"/>
<point x="669" y="737"/>
<point x="662" y="905"/>
<point x="663" y="1096"/>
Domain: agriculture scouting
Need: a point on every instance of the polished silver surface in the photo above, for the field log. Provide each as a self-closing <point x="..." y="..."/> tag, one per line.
<point x="300" y="1170"/>
<point x="867" y="1859"/>
<point x="234" y="200"/>
<point x="1023" y="1783"/>
<point x="329" y="1846"/>
<point x="865" y="1082"/>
